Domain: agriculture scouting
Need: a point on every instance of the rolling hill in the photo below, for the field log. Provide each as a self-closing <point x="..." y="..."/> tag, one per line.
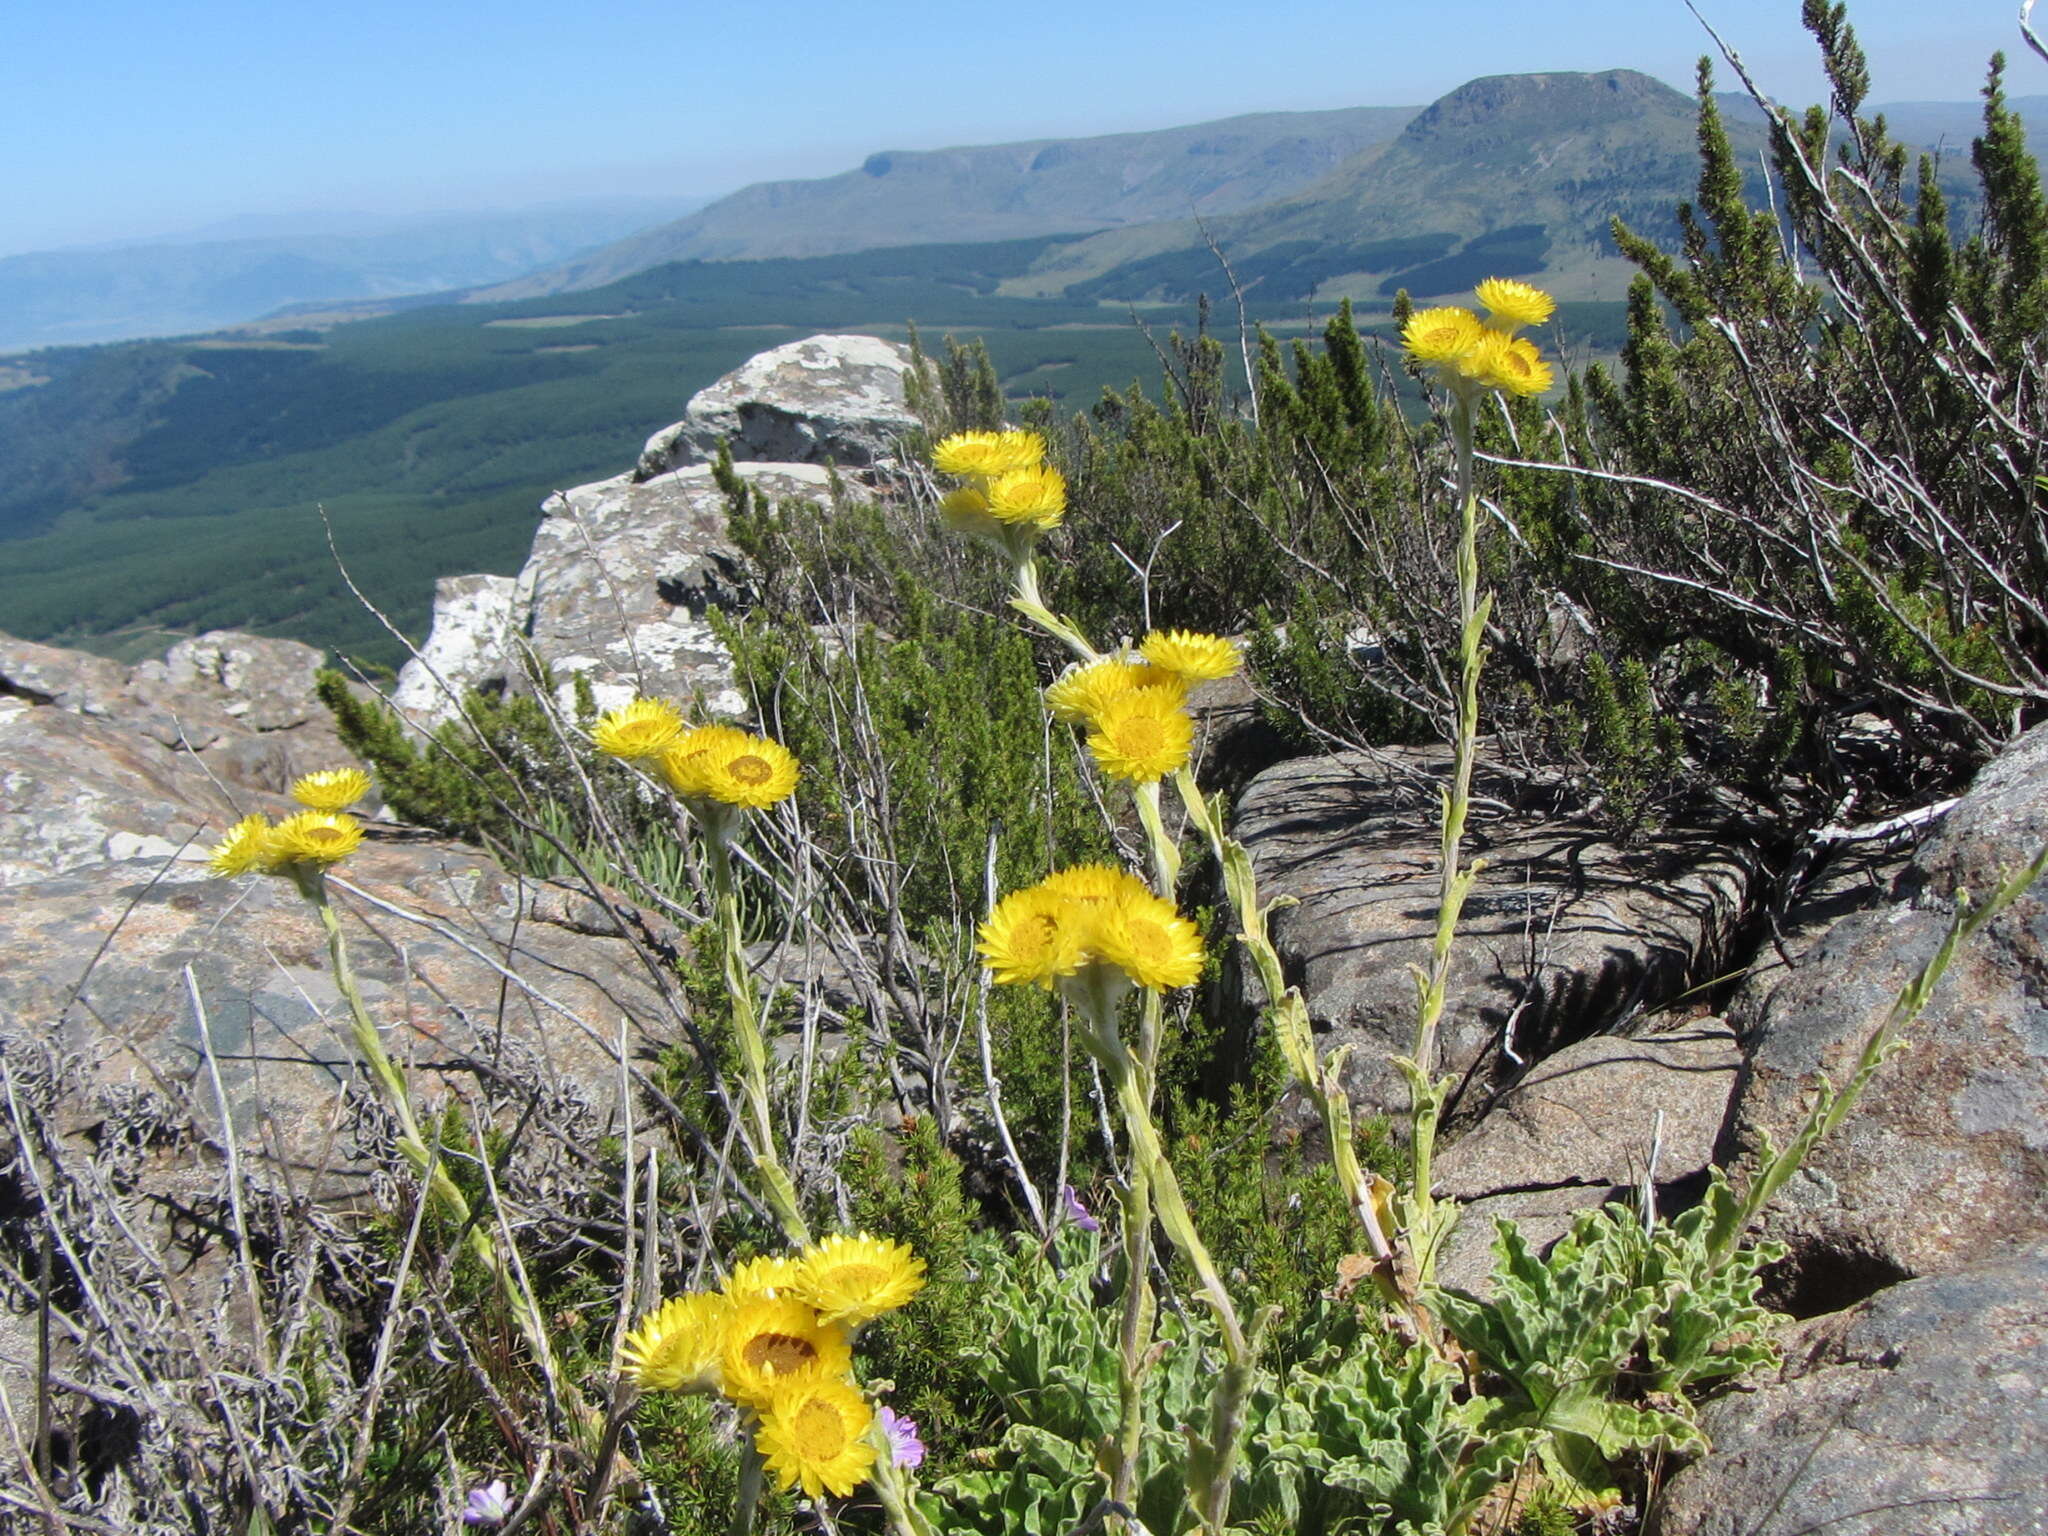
<point x="995" y="192"/>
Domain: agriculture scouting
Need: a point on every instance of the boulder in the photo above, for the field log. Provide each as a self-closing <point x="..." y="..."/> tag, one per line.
<point x="622" y="575"/>
<point x="471" y="646"/>
<point x="1945" y="1159"/>
<point x="824" y="400"/>
<point x="1923" y="1411"/>
<point x="104" y="762"/>
<point x="1580" y="1129"/>
<point x="1564" y="934"/>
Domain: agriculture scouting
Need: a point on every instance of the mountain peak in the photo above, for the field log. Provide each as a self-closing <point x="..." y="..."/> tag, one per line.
<point x="1497" y="102"/>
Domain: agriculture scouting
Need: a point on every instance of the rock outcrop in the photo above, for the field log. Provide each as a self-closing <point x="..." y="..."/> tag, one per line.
<point x="1945" y="1160"/>
<point x="1920" y="1412"/>
<point x="1562" y="936"/>
<point x="623" y="571"/>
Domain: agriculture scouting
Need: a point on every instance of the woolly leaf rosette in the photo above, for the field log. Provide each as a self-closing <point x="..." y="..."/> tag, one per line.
<point x="679" y="1346"/>
<point x="852" y="1280"/>
<point x="815" y="1434"/>
<point x="331" y="789"/>
<point x="774" y="1340"/>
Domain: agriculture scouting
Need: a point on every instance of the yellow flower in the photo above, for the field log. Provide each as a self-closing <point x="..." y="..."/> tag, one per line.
<point x="1150" y="942"/>
<point x="245" y="850"/>
<point x="1141" y="736"/>
<point x="677" y="1346"/>
<point x="1198" y="658"/>
<point x="852" y="1279"/>
<point x="1032" y="937"/>
<point x="1092" y="885"/>
<point x="1504" y="362"/>
<point x="774" y="1340"/>
<point x="332" y="789"/>
<point x="312" y="837"/>
<point x="984" y="455"/>
<point x="643" y="728"/>
<point x="815" y="1434"/>
<point x="770" y="1275"/>
<point x="1441" y="335"/>
<point x="1037" y="496"/>
<point x="725" y="763"/>
<point x="1511" y="305"/>
<point x="1078" y="696"/>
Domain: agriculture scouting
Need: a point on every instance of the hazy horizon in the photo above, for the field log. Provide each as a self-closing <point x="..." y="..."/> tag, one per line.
<point x="217" y="112"/>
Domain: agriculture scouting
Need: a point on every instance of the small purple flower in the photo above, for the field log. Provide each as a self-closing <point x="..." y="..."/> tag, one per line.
<point x="488" y="1505"/>
<point x="905" y="1449"/>
<point x="1076" y="1212"/>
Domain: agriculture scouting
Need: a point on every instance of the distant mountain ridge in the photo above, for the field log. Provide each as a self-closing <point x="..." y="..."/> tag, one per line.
<point x="181" y="285"/>
<point x="1507" y="174"/>
<point x="996" y="192"/>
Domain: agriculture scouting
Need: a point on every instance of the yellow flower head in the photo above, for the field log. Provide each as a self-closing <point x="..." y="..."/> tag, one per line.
<point x="770" y="1275"/>
<point x="1096" y="886"/>
<point x="1508" y="363"/>
<point x="852" y="1279"/>
<point x="774" y="1340"/>
<point x="332" y="789"/>
<point x="984" y="455"/>
<point x="1037" y="496"/>
<point x="1150" y="942"/>
<point x="312" y="837"/>
<point x="725" y="763"/>
<point x="1076" y="697"/>
<point x="245" y="850"/>
<point x="814" y="1434"/>
<point x="677" y="1347"/>
<point x="1441" y="335"/>
<point x="1196" y="657"/>
<point x="1510" y="305"/>
<point x="1141" y="736"/>
<point x="1033" y="937"/>
<point x="643" y="728"/>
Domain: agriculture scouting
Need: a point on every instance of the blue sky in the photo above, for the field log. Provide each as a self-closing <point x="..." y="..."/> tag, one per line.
<point x="128" y="118"/>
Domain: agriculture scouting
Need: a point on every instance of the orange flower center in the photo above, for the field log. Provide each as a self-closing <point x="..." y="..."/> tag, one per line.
<point x="1139" y="736"/>
<point x="325" y="835"/>
<point x="818" y="1430"/>
<point x="858" y="1278"/>
<point x="750" y="770"/>
<point x="780" y="1353"/>
<point x="1149" y="939"/>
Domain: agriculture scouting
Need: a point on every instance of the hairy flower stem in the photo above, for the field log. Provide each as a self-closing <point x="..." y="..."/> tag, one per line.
<point x="746" y="1027"/>
<point x="898" y="1496"/>
<point x="1134" y="1335"/>
<point x="748" y="1499"/>
<point x="442" y="1191"/>
<point x="1426" y="1094"/>
<point x="1165" y="852"/>
<point x="1027" y="601"/>
<point x="1288" y="1013"/>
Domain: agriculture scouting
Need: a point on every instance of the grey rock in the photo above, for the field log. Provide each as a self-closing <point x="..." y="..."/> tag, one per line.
<point x="826" y="399"/>
<point x="1587" y="1116"/>
<point x="471" y="644"/>
<point x="1945" y="1159"/>
<point x="622" y="572"/>
<point x="244" y="704"/>
<point x="1578" y="1132"/>
<point x="1921" y="1412"/>
<point x="1564" y="933"/>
